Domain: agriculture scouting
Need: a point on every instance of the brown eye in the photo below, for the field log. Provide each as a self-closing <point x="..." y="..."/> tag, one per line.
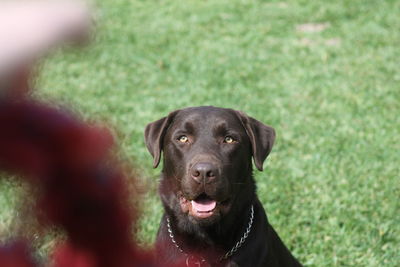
<point x="229" y="140"/>
<point x="183" y="139"/>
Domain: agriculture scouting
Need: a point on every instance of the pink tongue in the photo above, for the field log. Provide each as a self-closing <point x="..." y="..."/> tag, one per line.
<point x="203" y="205"/>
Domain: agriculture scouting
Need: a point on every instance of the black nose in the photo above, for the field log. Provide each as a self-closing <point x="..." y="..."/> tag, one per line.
<point x="203" y="172"/>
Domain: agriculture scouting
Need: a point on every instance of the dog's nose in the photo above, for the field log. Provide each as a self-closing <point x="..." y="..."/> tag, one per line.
<point x="203" y="172"/>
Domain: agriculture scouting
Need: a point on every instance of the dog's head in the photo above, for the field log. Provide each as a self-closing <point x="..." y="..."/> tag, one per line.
<point x="207" y="168"/>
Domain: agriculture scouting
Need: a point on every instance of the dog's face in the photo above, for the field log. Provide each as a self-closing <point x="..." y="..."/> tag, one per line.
<point x="207" y="159"/>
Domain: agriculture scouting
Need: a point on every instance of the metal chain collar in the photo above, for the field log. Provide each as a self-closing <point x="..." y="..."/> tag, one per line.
<point x="243" y="238"/>
<point x="230" y="252"/>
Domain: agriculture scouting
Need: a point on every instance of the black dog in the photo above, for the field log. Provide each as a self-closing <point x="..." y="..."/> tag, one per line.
<point x="208" y="191"/>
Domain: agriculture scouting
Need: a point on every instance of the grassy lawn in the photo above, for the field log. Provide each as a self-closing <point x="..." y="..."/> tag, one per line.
<point x="324" y="74"/>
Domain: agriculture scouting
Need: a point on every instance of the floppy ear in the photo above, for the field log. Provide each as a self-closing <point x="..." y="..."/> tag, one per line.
<point x="261" y="137"/>
<point x="154" y="135"/>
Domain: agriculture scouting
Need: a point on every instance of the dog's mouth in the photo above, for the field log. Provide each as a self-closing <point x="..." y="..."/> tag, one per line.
<point x="201" y="207"/>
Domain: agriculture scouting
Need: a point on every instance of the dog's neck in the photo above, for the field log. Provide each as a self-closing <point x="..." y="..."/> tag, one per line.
<point x="222" y="234"/>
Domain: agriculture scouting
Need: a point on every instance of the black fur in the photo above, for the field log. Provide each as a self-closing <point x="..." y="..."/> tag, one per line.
<point x="201" y="160"/>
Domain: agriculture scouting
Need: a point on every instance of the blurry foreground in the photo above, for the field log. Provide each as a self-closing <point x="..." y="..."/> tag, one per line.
<point x="83" y="190"/>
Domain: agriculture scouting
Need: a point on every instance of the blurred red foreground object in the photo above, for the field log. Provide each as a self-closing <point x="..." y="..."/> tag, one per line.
<point x="83" y="190"/>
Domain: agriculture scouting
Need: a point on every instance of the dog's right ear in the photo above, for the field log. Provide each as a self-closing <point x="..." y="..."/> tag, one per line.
<point x="154" y="135"/>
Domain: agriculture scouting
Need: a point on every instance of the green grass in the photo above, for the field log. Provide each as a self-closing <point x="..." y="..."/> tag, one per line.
<point x="331" y="186"/>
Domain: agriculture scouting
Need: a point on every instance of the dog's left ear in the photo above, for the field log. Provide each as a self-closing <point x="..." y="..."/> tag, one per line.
<point x="261" y="137"/>
<point x="154" y="135"/>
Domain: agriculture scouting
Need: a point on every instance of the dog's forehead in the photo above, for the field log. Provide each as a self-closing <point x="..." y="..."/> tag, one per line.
<point x="207" y="116"/>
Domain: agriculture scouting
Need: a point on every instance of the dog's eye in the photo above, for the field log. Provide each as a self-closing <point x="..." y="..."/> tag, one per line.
<point x="183" y="139"/>
<point x="229" y="140"/>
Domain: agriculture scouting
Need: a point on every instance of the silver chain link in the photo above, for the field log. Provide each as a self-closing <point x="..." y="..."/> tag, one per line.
<point x="230" y="252"/>
<point x="243" y="238"/>
<point x="171" y="235"/>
